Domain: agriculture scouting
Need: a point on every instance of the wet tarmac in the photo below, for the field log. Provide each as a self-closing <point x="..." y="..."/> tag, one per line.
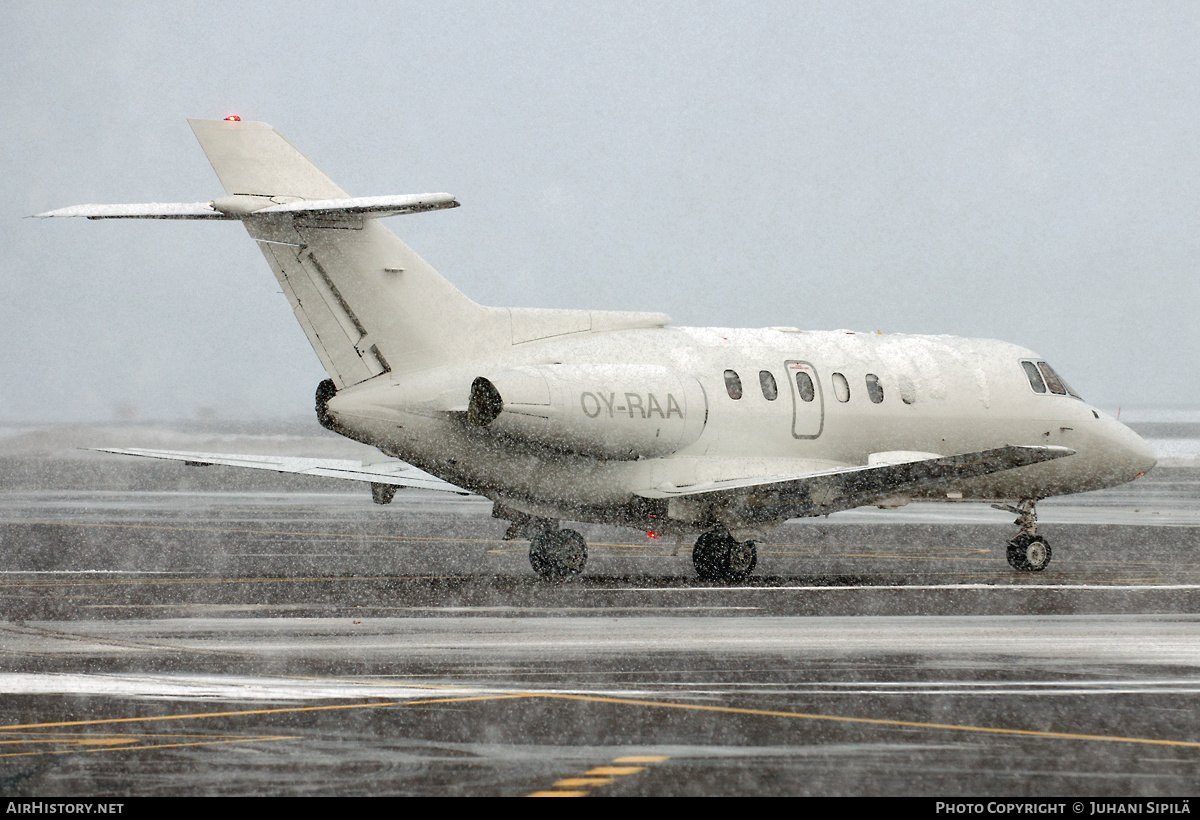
<point x="193" y="641"/>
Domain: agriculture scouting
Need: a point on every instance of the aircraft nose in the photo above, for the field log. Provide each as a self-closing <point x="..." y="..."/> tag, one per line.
<point x="1142" y="457"/>
<point x="1134" y="453"/>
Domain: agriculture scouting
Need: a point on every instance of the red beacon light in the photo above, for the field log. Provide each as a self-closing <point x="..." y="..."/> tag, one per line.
<point x="233" y="118"/>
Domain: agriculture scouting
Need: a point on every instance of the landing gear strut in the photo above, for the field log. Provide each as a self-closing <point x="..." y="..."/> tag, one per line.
<point x="718" y="557"/>
<point x="557" y="555"/>
<point x="1028" y="551"/>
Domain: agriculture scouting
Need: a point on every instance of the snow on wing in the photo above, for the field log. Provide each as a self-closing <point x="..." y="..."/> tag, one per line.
<point x="394" y="471"/>
<point x="826" y="491"/>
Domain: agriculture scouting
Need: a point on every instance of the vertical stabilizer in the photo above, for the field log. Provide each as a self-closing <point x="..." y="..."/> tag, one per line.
<point x="253" y="158"/>
<point x="366" y="301"/>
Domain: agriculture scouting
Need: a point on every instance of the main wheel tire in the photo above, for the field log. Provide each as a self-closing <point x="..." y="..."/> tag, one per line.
<point x="718" y="557"/>
<point x="557" y="555"/>
<point x="1028" y="553"/>
<point x="708" y="556"/>
<point x="743" y="557"/>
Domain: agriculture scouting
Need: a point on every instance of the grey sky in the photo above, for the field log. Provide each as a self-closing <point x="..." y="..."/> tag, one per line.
<point x="1020" y="171"/>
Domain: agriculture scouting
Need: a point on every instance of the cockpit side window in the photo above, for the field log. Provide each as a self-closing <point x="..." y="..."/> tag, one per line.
<point x="766" y="381"/>
<point x="1035" y="378"/>
<point x="1043" y="379"/>
<point x="1055" y="382"/>
<point x="733" y="384"/>
<point x="1052" y="380"/>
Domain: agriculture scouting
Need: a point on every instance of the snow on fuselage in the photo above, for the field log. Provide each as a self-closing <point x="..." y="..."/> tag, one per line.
<point x="866" y="394"/>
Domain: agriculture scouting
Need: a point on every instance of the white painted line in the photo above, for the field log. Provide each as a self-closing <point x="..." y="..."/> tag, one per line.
<point x="945" y="683"/>
<point x="264" y="689"/>
<point x="91" y="572"/>
<point x="925" y="587"/>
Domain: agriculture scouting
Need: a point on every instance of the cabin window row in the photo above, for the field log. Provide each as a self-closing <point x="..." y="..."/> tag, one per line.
<point x="808" y="391"/>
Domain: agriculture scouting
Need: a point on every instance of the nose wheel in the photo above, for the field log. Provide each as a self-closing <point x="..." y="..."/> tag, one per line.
<point x="557" y="555"/>
<point x="718" y="557"/>
<point x="1028" y="551"/>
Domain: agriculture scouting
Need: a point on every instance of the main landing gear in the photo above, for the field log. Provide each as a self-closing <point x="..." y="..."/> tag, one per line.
<point x="718" y="557"/>
<point x="1028" y="551"/>
<point x="557" y="555"/>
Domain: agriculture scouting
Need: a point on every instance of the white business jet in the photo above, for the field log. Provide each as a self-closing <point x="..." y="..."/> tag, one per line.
<point x="620" y="418"/>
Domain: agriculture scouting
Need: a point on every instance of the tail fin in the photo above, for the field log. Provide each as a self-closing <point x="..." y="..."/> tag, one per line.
<point x="367" y="303"/>
<point x="253" y="158"/>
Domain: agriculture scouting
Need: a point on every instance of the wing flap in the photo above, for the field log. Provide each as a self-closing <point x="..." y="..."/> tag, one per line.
<point x="394" y="471"/>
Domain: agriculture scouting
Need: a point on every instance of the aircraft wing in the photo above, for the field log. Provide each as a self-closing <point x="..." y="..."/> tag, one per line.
<point x="391" y="471"/>
<point x="843" y="488"/>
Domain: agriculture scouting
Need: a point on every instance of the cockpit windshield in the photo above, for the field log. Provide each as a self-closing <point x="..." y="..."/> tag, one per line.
<point x="1042" y="378"/>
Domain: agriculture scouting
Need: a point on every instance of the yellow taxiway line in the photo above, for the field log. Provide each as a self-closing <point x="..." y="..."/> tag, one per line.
<point x="652" y="704"/>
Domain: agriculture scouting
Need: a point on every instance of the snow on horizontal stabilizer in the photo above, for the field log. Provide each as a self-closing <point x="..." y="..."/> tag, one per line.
<point x="364" y="206"/>
<point x="376" y="206"/>
<point x="826" y="491"/>
<point x="392" y="471"/>
<point x="144" y="210"/>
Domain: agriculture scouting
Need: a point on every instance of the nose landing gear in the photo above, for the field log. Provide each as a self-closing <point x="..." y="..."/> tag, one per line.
<point x="718" y="557"/>
<point x="1028" y="551"/>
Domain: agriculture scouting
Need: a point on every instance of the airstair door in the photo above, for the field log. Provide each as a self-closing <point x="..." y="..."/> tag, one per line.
<point x="808" y="400"/>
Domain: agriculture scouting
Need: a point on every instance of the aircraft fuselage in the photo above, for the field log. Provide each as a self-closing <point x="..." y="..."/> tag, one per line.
<point x="936" y="395"/>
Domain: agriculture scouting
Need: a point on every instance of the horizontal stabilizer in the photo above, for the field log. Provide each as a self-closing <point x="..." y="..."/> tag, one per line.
<point x="391" y="471"/>
<point x="376" y="206"/>
<point x="241" y="207"/>
<point x="145" y="210"/>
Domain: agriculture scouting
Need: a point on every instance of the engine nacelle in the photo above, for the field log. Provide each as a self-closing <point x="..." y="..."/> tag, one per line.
<point x="618" y="411"/>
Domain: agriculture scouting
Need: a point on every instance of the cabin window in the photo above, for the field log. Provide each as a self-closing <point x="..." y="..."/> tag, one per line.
<point x="767" y="382"/>
<point x="1035" y="378"/>
<point x="733" y="384"/>
<point x="908" y="390"/>
<point x="874" y="388"/>
<point x="804" y="384"/>
<point x="841" y="387"/>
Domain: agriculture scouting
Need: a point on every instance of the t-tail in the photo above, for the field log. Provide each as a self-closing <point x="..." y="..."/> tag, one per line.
<point x="366" y="301"/>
